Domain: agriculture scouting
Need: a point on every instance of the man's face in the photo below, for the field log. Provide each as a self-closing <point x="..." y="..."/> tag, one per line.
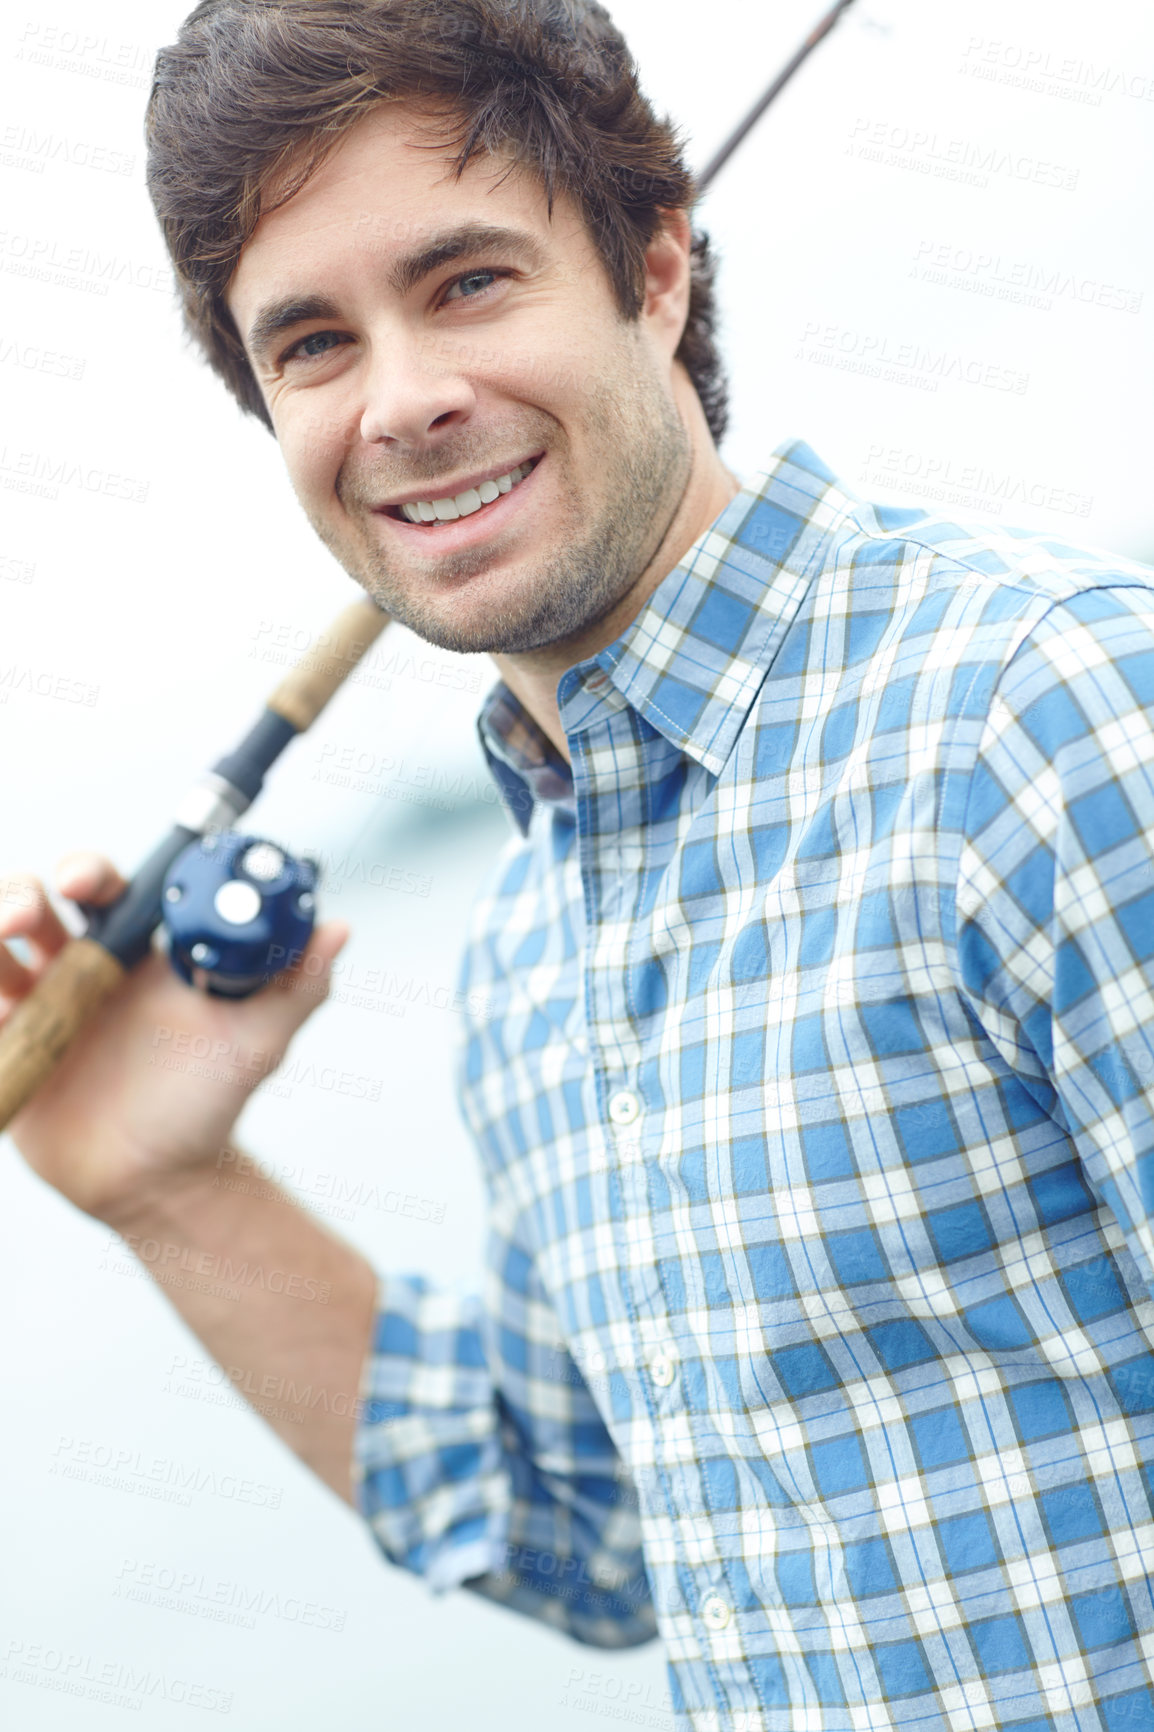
<point x="438" y="348"/>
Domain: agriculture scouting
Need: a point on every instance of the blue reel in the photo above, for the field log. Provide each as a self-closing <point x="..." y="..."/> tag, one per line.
<point x="237" y="910"/>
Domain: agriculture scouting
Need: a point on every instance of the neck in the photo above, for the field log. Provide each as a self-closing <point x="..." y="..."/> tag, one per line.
<point x="533" y="677"/>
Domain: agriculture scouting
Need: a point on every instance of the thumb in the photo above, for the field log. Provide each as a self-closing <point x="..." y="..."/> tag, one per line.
<point x="306" y="984"/>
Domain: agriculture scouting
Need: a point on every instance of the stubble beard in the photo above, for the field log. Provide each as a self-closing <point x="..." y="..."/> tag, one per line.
<point x="647" y="457"/>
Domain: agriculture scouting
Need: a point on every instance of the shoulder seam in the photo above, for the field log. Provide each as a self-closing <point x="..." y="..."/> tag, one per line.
<point x="1077" y="585"/>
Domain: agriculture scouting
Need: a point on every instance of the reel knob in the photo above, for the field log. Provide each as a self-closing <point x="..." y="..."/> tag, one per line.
<point x="237" y="910"/>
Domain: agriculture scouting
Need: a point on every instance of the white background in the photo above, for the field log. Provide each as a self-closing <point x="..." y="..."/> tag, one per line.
<point x="1005" y="147"/>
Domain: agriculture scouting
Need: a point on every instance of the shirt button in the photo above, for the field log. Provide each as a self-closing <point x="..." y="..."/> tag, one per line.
<point x="663" y="1370"/>
<point x="715" y="1614"/>
<point x="624" y="1107"/>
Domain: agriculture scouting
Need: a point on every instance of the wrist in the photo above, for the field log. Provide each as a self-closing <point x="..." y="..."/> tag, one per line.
<point x="161" y="1199"/>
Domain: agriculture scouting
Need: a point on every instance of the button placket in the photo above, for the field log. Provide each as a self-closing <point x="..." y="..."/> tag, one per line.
<point x="624" y="1107"/>
<point x="716" y="1614"/>
<point x="663" y="1370"/>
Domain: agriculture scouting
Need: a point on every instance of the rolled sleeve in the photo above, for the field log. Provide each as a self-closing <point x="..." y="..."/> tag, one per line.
<point x="482" y="1460"/>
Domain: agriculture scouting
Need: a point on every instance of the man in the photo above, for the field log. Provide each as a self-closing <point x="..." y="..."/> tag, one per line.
<point x="814" y="1097"/>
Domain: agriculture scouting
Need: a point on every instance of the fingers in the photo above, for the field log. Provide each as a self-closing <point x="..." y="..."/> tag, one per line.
<point x="26" y="912"/>
<point x="329" y="939"/>
<point x="16" y="902"/>
<point x="16" y="899"/>
<point x="15" y="979"/>
<point x="87" y="877"/>
<point x="310" y="973"/>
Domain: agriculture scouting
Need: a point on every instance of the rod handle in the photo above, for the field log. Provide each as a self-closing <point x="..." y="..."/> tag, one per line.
<point x="42" y="1026"/>
<point x="303" y="693"/>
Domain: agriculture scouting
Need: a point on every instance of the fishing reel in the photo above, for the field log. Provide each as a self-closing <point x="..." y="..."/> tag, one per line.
<point x="237" y="910"/>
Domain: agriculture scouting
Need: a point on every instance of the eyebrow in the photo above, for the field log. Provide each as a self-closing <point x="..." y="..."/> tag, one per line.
<point x="281" y="315"/>
<point x="440" y="250"/>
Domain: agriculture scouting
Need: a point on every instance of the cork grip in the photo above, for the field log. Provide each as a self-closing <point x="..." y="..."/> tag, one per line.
<point x="42" y="1026"/>
<point x="303" y="694"/>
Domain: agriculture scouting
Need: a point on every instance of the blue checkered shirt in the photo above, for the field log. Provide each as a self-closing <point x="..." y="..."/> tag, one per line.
<point x="813" y="1092"/>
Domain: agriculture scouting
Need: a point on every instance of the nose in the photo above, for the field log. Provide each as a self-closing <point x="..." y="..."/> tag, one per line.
<point x="413" y="395"/>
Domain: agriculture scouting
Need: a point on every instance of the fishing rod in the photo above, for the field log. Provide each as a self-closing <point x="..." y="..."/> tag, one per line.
<point x="237" y="907"/>
<point x="722" y="155"/>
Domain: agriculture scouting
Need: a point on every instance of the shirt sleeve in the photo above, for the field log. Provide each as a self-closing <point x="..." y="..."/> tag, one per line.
<point x="1055" y="903"/>
<point x="483" y="1462"/>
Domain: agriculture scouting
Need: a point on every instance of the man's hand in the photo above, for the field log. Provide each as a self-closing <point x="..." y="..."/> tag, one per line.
<point x="130" y="1126"/>
<point x="145" y="1098"/>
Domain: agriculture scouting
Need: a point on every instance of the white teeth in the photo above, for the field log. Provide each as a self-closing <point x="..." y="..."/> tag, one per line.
<point x="472" y="499"/>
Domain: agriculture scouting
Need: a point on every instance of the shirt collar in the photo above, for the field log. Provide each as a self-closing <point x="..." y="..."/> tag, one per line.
<point x="525" y="763"/>
<point x="692" y="661"/>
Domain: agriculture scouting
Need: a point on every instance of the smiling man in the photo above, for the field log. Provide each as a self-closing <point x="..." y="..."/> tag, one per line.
<point x="814" y="1097"/>
<point x="504" y="460"/>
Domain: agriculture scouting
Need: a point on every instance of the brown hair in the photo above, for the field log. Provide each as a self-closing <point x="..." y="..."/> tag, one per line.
<point x="254" y="93"/>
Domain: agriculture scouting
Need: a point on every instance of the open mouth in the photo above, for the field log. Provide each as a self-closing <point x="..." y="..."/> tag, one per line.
<point x="434" y="513"/>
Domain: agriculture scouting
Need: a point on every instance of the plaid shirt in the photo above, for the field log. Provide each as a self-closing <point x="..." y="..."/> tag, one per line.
<point x="814" y="1105"/>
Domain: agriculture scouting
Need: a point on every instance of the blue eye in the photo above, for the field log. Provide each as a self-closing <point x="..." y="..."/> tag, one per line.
<point x="312" y="347"/>
<point x="483" y="278"/>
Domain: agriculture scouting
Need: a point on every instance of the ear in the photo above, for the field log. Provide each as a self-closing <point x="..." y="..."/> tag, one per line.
<point x="666" y="305"/>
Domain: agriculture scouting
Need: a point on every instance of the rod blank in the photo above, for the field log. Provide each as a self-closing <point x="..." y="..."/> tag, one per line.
<point x="42" y="1026"/>
<point x="720" y="157"/>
